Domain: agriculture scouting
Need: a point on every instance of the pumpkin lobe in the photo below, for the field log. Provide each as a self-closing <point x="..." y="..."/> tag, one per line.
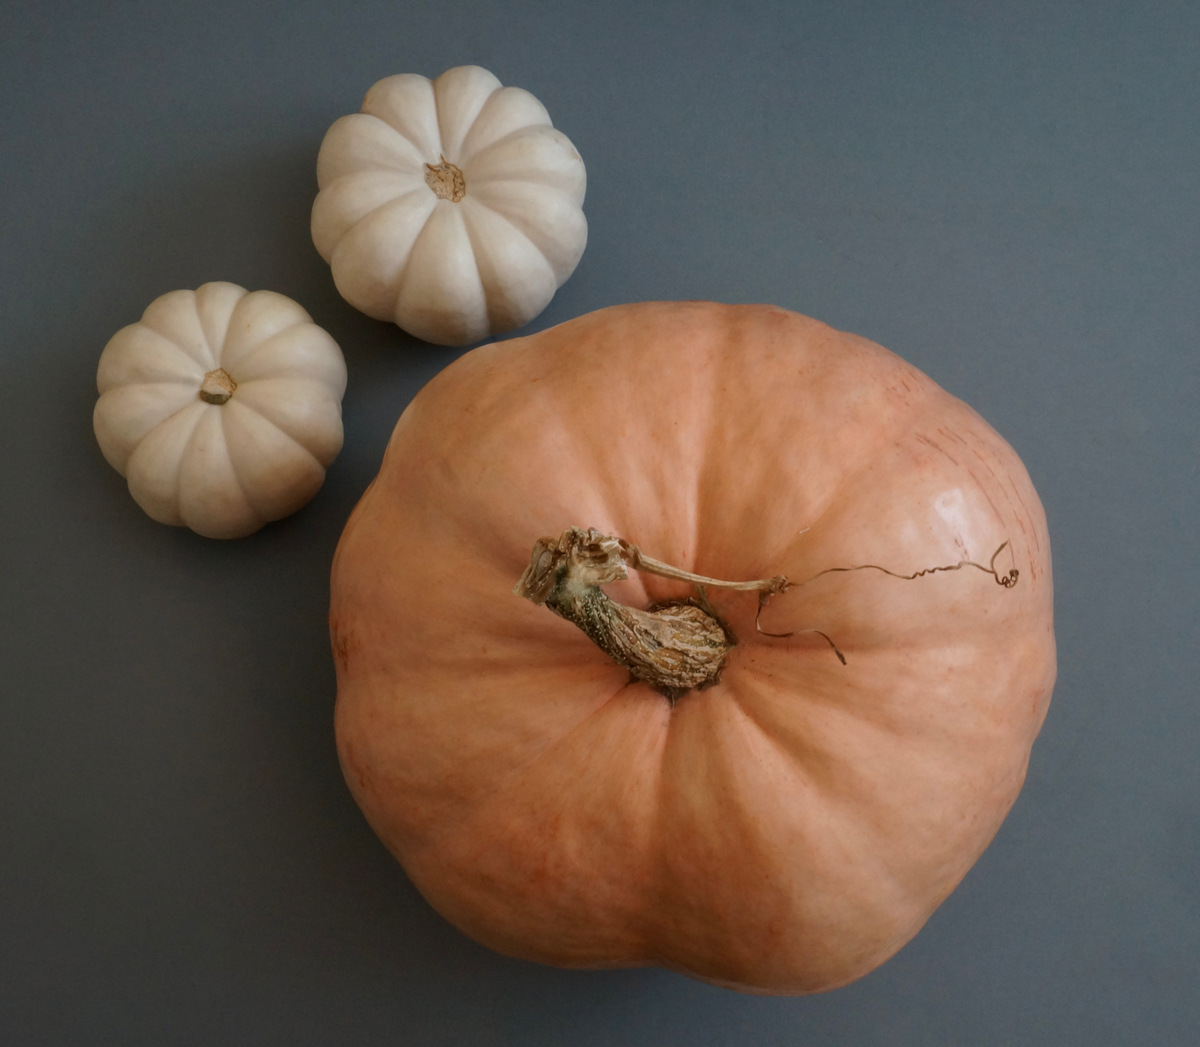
<point x="446" y="180"/>
<point x="217" y="387"/>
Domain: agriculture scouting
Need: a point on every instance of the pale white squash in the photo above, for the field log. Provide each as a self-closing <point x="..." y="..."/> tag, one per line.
<point x="221" y="407"/>
<point x="451" y="207"/>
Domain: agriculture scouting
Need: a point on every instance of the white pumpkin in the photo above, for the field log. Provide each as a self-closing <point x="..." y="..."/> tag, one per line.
<point x="451" y="207"/>
<point x="221" y="407"/>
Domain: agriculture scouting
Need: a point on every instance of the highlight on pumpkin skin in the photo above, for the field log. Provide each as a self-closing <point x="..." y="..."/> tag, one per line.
<point x="679" y="645"/>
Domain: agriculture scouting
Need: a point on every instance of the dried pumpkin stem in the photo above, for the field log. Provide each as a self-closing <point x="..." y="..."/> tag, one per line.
<point x="446" y="180"/>
<point x="217" y="387"/>
<point x="675" y="647"/>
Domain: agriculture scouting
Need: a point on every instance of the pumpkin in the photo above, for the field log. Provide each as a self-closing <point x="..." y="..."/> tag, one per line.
<point x="451" y="207"/>
<point x="786" y="820"/>
<point x="221" y="407"/>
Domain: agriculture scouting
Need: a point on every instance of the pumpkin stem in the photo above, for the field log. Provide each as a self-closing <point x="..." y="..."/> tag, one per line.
<point x="675" y="647"/>
<point x="217" y="387"/>
<point x="446" y="180"/>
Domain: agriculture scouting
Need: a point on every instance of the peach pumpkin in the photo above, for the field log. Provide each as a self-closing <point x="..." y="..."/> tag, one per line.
<point x="784" y="829"/>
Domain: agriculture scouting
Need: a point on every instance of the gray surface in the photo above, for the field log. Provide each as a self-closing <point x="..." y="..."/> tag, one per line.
<point x="1004" y="193"/>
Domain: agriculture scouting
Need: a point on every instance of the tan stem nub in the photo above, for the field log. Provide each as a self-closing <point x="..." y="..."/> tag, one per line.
<point x="446" y="181"/>
<point x="675" y="647"/>
<point x="217" y="386"/>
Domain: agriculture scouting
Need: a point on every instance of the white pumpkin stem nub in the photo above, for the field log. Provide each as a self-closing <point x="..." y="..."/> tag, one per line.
<point x="217" y="387"/>
<point x="446" y="181"/>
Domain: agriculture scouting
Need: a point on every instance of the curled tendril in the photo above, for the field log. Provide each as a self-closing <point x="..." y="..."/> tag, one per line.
<point x="1007" y="580"/>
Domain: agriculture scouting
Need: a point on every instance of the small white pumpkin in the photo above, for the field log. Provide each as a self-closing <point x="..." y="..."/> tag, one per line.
<point x="451" y="207"/>
<point x="222" y="408"/>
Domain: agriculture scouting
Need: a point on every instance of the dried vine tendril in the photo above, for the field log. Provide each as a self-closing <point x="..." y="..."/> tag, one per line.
<point x="1007" y="580"/>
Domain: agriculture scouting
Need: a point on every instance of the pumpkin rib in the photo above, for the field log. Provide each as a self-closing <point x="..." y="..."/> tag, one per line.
<point x="432" y="291"/>
<point x="267" y="498"/>
<point x="705" y="487"/>
<point x="568" y="180"/>
<point x="482" y="153"/>
<point x="540" y="230"/>
<point x="302" y="352"/>
<point x="250" y="498"/>
<point x="259" y="413"/>
<point x="512" y="99"/>
<point x="111" y="413"/>
<point x="841" y="482"/>
<point x="251" y="348"/>
<point x="258" y="410"/>
<point x="365" y="142"/>
<point x="499" y="792"/>
<point x="258" y="316"/>
<point x="190" y="406"/>
<point x="201" y="507"/>
<point x="525" y="808"/>
<point x="935" y="744"/>
<point x="332" y="221"/>
<point x="404" y="103"/>
<point x="376" y="236"/>
<point x="165" y="498"/>
<point x="412" y="196"/>
<point x="851" y="489"/>
<point x="312" y="355"/>
<point x="842" y="491"/>
<point x="123" y="361"/>
<point x="160" y="317"/>
<point x="853" y="820"/>
<point x="455" y="88"/>
<point x="539" y="178"/>
<point x="828" y="707"/>
<point x="498" y="294"/>
<point x="216" y="304"/>
<point x="731" y="810"/>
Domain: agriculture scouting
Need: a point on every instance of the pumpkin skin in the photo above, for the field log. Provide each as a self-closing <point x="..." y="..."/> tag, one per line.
<point x="450" y="207"/>
<point x="222" y="408"/>
<point x="785" y="830"/>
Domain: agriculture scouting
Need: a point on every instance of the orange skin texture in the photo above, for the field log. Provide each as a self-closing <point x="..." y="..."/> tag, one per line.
<point x="786" y="830"/>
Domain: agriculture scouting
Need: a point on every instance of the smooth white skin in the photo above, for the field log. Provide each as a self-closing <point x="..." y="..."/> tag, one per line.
<point x="223" y="470"/>
<point x="449" y="272"/>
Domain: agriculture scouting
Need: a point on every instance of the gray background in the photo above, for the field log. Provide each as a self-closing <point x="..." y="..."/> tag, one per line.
<point x="1005" y="193"/>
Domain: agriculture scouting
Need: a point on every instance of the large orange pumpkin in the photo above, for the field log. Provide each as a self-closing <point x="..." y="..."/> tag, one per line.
<point x="785" y="829"/>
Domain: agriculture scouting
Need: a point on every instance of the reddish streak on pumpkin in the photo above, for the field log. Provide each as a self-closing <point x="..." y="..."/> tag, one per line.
<point x="342" y="646"/>
<point x="937" y="447"/>
<point x="355" y="766"/>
